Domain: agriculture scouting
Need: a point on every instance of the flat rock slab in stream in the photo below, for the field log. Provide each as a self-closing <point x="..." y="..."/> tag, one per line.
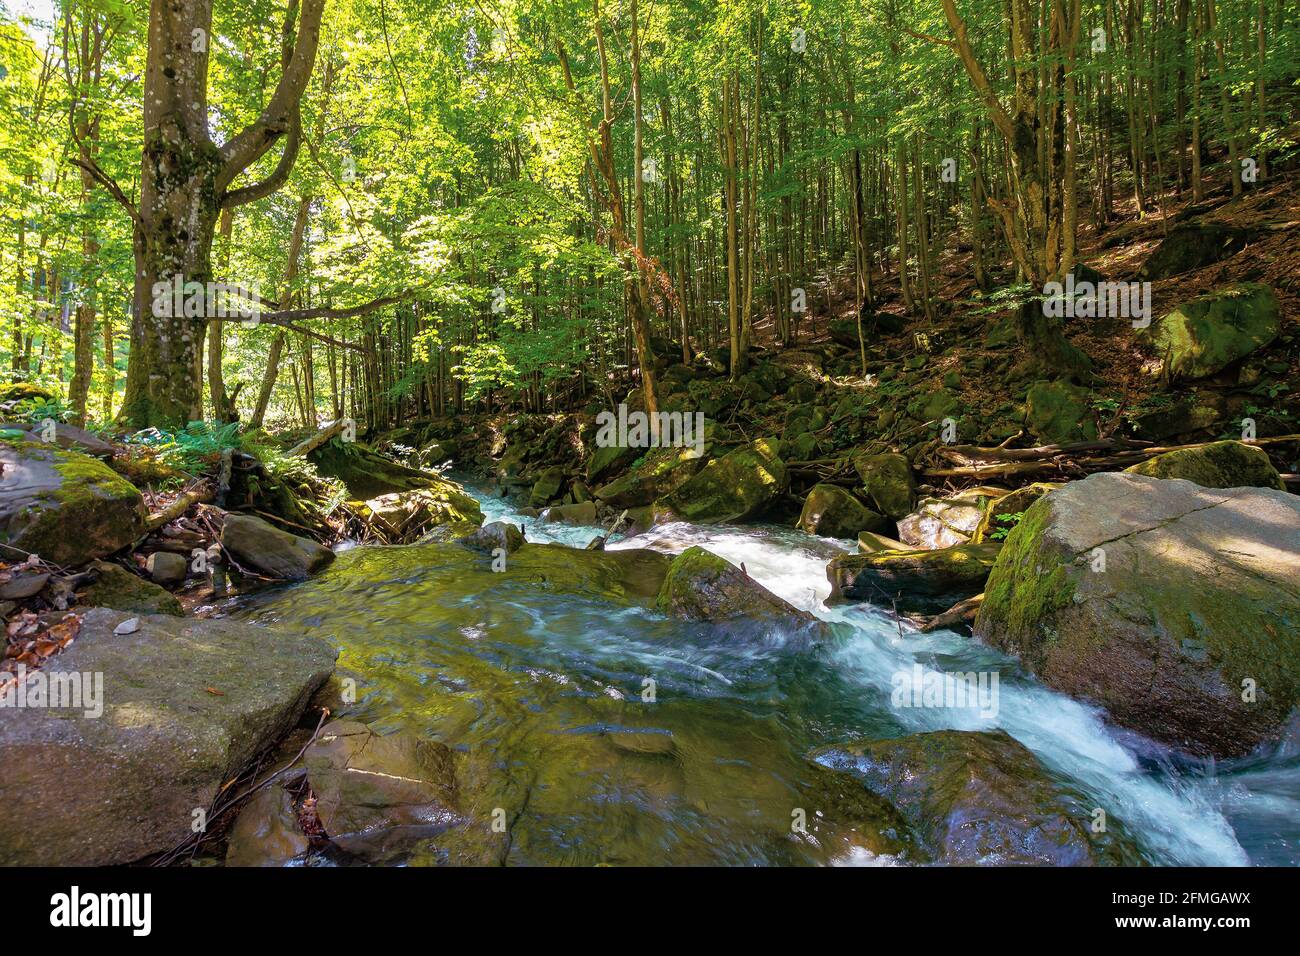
<point x="981" y="798"/>
<point x="48" y="493"/>
<point x="1175" y="607"/>
<point x="374" y="792"/>
<point x="186" y="705"/>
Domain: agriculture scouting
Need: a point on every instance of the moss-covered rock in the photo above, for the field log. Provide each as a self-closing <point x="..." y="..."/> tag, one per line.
<point x="1173" y="606"/>
<point x="117" y="588"/>
<point x="1058" y="412"/>
<point x="832" y="512"/>
<point x="922" y="582"/>
<point x="1220" y="464"/>
<point x="1204" y="335"/>
<point x="734" y="487"/>
<point x="700" y="586"/>
<point x="662" y="472"/>
<point x="887" y="480"/>
<point x="1002" y="514"/>
<point x="65" y="506"/>
<point x="981" y="798"/>
<point x="1190" y="245"/>
<point x="547" y="487"/>
<point x="365" y="472"/>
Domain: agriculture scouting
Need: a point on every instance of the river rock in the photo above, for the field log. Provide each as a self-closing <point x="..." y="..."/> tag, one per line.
<point x="46" y="492"/>
<point x="734" y="487"/>
<point x="1208" y="333"/>
<point x="663" y="471"/>
<point x="187" y="704"/>
<point x="166" y="568"/>
<point x="268" y="550"/>
<point x="832" y="512"/>
<point x="1162" y="601"/>
<point x="583" y="513"/>
<point x="266" y="832"/>
<point x="924" y="582"/>
<point x="981" y="798"/>
<point x="887" y="480"/>
<point x="1220" y="464"/>
<point x="547" y="486"/>
<point x="117" y="588"/>
<point x="700" y="586"/>
<point x="373" y="791"/>
<point x="494" y="535"/>
<point x="946" y="522"/>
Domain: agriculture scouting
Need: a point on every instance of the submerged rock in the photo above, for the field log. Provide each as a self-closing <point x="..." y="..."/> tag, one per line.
<point x="374" y="792"/>
<point x="1207" y="334"/>
<point x="48" y="493"/>
<point x="187" y="704"/>
<point x="832" y="512"/>
<point x="981" y="798"/>
<point x="1220" y="464"/>
<point x="267" y="549"/>
<point x="925" y="582"/>
<point x="266" y="832"/>
<point x="734" y="487"/>
<point x="1173" y="606"/>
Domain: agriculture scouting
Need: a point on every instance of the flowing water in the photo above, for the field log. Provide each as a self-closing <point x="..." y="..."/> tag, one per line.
<point x="550" y="684"/>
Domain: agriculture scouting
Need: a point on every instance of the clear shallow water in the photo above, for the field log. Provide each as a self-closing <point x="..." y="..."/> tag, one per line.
<point x="544" y="688"/>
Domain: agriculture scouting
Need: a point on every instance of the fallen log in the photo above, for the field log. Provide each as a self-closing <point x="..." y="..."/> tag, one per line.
<point x="183" y="503"/>
<point x="309" y="445"/>
<point x="963" y="612"/>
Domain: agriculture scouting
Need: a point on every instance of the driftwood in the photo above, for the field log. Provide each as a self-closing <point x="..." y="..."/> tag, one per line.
<point x="974" y="462"/>
<point x="309" y="445"/>
<point x="183" y="503"/>
<point x="963" y="612"/>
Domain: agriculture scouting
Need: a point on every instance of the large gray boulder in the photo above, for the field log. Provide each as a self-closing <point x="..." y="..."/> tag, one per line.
<point x="63" y="505"/>
<point x="268" y="550"/>
<point x="1206" y="334"/>
<point x="1175" y="607"/>
<point x="186" y="705"/>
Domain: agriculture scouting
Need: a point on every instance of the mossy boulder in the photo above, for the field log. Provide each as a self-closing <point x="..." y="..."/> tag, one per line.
<point x="1059" y="412"/>
<point x="547" y="487"/>
<point x="1194" y="412"/>
<point x="187" y="705"/>
<point x="1191" y="245"/>
<point x="734" y="487"/>
<point x="65" y="506"/>
<point x="117" y="588"/>
<point x="660" y="473"/>
<point x="700" y="586"/>
<point x="1000" y="514"/>
<point x="1205" y="335"/>
<point x="832" y="512"/>
<point x="1220" y="464"/>
<point x="981" y="798"/>
<point x="24" y="392"/>
<point x="1173" y="606"/>
<point x="365" y="472"/>
<point x="887" y="480"/>
<point x="913" y="582"/>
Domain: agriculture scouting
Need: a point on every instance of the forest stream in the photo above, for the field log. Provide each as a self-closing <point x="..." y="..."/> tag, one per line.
<point x="549" y="684"/>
